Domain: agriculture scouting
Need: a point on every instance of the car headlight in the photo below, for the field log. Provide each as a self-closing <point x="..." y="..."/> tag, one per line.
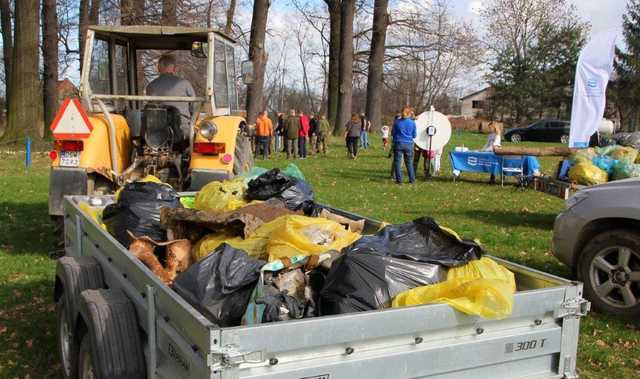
<point x="575" y="199"/>
<point x="208" y="130"/>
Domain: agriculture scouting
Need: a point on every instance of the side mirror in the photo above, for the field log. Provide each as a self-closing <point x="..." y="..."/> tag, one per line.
<point x="199" y="49"/>
<point x="246" y="70"/>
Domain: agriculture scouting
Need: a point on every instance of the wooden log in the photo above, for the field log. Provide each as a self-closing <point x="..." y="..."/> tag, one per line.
<point x="535" y="151"/>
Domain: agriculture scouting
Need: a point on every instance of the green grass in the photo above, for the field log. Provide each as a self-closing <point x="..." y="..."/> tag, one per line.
<point x="511" y="223"/>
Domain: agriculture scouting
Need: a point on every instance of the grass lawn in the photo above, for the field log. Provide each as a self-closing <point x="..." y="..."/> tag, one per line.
<point x="511" y="223"/>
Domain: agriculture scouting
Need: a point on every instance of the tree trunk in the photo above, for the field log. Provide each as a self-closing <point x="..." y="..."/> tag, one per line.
<point x="258" y="56"/>
<point x="25" y="107"/>
<point x="94" y="12"/>
<point x="169" y="16"/>
<point x="228" y="28"/>
<point x="333" y="91"/>
<point x="7" y="44"/>
<point x="50" y="62"/>
<point x="83" y="25"/>
<point x="376" y="61"/>
<point x="346" y="66"/>
<point x="535" y="151"/>
<point x="132" y="12"/>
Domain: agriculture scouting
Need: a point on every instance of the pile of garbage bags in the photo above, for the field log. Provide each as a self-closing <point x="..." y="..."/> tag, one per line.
<point x="603" y="164"/>
<point x="262" y="250"/>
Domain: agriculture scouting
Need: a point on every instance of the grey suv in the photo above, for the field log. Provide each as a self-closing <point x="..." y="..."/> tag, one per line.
<point x="598" y="236"/>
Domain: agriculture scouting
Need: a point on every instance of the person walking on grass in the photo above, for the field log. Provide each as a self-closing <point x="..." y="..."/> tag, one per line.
<point x="292" y="128"/>
<point x="385" y="136"/>
<point x="279" y="133"/>
<point x="303" y="135"/>
<point x="404" y="132"/>
<point x="264" y="131"/>
<point x="324" y="129"/>
<point x="313" y="133"/>
<point x="365" y="127"/>
<point x="352" y="135"/>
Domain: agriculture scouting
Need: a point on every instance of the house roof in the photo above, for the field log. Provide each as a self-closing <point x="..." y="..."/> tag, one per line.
<point x="475" y="93"/>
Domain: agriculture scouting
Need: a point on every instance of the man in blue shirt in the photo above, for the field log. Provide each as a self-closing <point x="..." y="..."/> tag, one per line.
<point x="404" y="132"/>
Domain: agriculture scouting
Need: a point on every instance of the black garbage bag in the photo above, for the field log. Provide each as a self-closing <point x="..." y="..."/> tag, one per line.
<point x="220" y="285"/>
<point x="421" y="240"/>
<point x="367" y="280"/>
<point x="296" y="194"/>
<point x="138" y="210"/>
<point x="268" y="185"/>
<point x="628" y="139"/>
<point x="280" y="306"/>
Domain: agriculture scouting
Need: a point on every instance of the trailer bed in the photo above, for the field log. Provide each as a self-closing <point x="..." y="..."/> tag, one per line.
<point x="538" y="340"/>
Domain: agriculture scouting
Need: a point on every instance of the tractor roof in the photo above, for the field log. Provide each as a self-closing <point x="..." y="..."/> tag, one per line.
<point x="158" y="37"/>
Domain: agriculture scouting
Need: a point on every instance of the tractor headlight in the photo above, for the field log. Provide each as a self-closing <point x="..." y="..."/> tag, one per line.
<point x="208" y="130"/>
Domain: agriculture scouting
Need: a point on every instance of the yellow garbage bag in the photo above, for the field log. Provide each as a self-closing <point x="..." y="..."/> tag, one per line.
<point x="286" y="236"/>
<point x="481" y="287"/>
<point x="587" y="173"/>
<point x="94" y="213"/>
<point x="221" y="196"/>
<point x="624" y="153"/>
<point x="301" y="235"/>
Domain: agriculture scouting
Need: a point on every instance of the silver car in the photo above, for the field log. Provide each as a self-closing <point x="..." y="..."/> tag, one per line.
<point x="598" y="236"/>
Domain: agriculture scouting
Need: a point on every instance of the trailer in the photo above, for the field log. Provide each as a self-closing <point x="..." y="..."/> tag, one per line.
<point x="115" y="319"/>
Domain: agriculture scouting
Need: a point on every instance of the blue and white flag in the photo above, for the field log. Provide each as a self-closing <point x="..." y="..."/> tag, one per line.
<point x="595" y="65"/>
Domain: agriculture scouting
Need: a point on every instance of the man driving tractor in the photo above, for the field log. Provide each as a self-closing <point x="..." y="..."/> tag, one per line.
<point x="169" y="84"/>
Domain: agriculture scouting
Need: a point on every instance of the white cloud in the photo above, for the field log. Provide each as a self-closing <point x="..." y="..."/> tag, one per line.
<point x="475" y="7"/>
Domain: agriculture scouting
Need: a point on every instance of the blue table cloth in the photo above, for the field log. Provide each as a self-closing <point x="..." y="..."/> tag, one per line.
<point x="490" y="163"/>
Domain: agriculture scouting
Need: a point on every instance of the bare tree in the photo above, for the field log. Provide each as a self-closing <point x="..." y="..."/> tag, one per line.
<point x="83" y="25"/>
<point x="25" y="114"/>
<point x="169" y="13"/>
<point x="346" y="66"/>
<point x="7" y="43"/>
<point x="228" y="28"/>
<point x="94" y="12"/>
<point x="50" y="61"/>
<point x="333" y="91"/>
<point x="132" y="12"/>
<point x="258" y="56"/>
<point x="376" y="63"/>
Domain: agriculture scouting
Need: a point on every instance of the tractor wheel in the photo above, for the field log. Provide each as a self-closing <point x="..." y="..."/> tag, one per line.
<point x="243" y="157"/>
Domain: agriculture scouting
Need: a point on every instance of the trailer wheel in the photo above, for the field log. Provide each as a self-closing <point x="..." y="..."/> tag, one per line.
<point x="67" y="343"/>
<point x="243" y="156"/>
<point x="114" y="347"/>
<point x="74" y="275"/>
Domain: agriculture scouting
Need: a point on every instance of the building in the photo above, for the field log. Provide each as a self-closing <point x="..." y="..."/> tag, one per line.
<point x="65" y="89"/>
<point x="473" y="104"/>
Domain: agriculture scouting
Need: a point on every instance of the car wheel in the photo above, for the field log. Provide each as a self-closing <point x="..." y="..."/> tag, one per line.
<point x="516" y="138"/>
<point x="610" y="269"/>
<point x="564" y="139"/>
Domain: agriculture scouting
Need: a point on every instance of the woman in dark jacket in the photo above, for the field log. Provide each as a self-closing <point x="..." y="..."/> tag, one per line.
<point x="352" y="135"/>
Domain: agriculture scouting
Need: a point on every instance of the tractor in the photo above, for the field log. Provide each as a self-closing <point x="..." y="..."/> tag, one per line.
<point x="130" y="135"/>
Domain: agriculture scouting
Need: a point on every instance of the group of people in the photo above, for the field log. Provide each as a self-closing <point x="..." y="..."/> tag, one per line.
<point x="292" y="134"/>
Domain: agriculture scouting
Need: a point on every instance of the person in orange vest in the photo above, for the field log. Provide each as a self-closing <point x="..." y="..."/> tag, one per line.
<point x="264" y="131"/>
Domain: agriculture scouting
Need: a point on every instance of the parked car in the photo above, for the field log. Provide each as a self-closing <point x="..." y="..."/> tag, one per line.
<point x="598" y="236"/>
<point x="544" y="130"/>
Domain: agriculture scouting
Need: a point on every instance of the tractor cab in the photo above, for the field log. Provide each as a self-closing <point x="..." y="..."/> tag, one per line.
<point x="186" y="140"/>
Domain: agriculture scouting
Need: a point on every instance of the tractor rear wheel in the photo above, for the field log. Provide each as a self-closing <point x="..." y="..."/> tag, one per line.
<point x="243" y="156"/>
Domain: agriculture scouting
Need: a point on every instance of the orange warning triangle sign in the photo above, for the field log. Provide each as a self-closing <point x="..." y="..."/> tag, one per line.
<point x="72" y="121"/>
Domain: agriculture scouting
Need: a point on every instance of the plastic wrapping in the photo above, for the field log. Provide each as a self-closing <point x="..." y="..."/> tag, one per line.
<point x="625" y="169"/>
<point x="367" y="280"/>
<point x="291" y="170"/>
<point x="583" y="155"/>
<point x="220" y="285"/>
<point x="587" y="173"/>
<point x="481" y="287"/>
<point x="619" y="152"/>
<point x="138" y="210"/>
<point x="605" y="163"/>
<point x="221" y="196"/>
<point x="268" y="185"/>
<point x="628" y="139"/>
<point x="420" y="240"/>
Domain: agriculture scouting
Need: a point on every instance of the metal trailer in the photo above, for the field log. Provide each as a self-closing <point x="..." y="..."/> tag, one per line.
<point x="139" y="327"/>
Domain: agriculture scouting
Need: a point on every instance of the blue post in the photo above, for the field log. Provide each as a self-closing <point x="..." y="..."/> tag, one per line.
<point x="27" y="159"/>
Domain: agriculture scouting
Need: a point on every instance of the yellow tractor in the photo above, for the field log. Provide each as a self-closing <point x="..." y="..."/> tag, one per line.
<point x="112" y="135"/>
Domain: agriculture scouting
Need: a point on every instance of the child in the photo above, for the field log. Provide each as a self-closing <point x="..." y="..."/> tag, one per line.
<point x="385" y="136"/>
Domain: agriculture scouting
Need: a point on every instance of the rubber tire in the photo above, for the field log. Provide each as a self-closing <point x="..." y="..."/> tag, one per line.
<point x="116" y="344"/>
<point x="513" y="136"/>
<point x="564" y="136"/>
<point x="61" y="312"/>
<point x="243" y="156"/>
<point x="622" y="237"/>
<point x="85" y="348"/>
<point x="77" y="274"/>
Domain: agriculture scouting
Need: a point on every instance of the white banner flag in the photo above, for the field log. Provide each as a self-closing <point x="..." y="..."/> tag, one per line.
<point x="595" y="65"/>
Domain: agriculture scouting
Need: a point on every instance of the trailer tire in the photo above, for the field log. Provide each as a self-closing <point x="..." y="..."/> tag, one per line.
<point x="113" y="335"/>
<point x="243" y="156"/>
<point x="74" y="275"/>
<point x="67" y="341"/>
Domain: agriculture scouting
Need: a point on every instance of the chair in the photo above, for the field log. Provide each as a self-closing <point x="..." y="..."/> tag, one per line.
<point x="512" y="170"/>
